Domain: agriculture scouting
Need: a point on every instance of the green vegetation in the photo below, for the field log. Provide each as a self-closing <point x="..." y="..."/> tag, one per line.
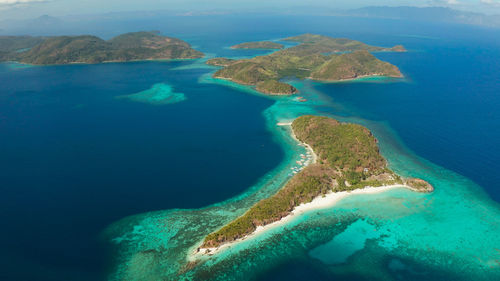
<point x="17" y="43"/>
<point x="259" y="45"/>
<point x="398" y="48"/>
<point x="348" y="159"/>
<point x="317" y="57"/>
<point x="354" y="65"/>
<point x="10" y="45"/>
<point x="220" y="61"/>
<point x="273" y="87"/>
<point x="325" y="44"/>
<point x="92" y="49"/>
<point x="419" y="185"/>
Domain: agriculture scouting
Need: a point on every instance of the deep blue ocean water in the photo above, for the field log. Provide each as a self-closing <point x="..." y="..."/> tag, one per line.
<point x="75" y="159"/>
<point x="448" y="111"/>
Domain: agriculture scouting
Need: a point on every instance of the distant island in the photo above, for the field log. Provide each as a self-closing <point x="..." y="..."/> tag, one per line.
<point x="274" y="87"/>
<point x="345" y="158"/>
<point x="317" y="57"/>
<point x="259" y="45"/>
<point x="133" y="46"/>
<point x="220" y="61"/>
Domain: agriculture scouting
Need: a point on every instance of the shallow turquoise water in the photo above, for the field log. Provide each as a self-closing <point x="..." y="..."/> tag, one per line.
<point x="453" y="231"/>
<point x="397" y="235"/>
<point x="159" y="94"/>
<point x="346" y="243"/>
<point x="75" y="158"/>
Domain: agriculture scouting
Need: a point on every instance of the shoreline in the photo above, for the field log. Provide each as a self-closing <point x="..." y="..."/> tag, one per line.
<point x="358" y="78"/>
<point x="104" y="62"/>
<point x="321" y="202"/>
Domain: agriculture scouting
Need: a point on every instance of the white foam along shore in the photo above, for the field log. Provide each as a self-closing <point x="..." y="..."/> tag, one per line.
<point x="321" y="202"/>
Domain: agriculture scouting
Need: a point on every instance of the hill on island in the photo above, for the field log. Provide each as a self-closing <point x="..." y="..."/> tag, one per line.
<point x="9" y="45"/>
<point x="317" y="57"/>
<point x="91" y="49"/>
<point x="348" y="159"/>
<point x="259" y="45"/>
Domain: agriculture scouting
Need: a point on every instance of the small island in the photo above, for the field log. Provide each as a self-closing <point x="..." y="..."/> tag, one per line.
<point x="316" y="57"/>
<point x="346" y="160"/>
<point x="220" y="61"/>
<point x="328" y="44"/>
<point x="276" y="88"/>
<point x="265" y="45"/>
<point x="127" y="47"/>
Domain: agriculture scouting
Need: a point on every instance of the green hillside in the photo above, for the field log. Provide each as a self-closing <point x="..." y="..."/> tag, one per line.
<point x="92" y="49"/>
<point x="316" y="57"/>
<point x="348" y="159"/>
<point x="259" y="45"/>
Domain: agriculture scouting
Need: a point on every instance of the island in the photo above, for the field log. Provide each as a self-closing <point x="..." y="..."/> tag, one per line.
<point x="15" y="44"/>
<point x="134" y="46"/>
<point x="266" y="45"/>
<point x="316" y="57"/>
<point x="328" y="44"/>
<point x="274" y="87"/>
<point x="220" y="61"/>
<point x="346" y="160"/>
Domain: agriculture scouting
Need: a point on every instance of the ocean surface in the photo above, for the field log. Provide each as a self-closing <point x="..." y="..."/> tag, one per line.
<point x="101" y="181"/>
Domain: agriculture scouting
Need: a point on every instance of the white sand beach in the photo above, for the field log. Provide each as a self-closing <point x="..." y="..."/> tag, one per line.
<point x="320" y="202"/>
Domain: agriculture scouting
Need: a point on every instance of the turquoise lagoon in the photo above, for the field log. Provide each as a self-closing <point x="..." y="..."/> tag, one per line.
<point x="452" y="232"/>
<point x="159" y="94"/>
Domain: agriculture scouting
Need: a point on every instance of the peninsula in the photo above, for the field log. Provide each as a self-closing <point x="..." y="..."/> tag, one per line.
<point x="316" y="57"/>
<point x="133" y="46"/>
<point x="348" y="159"/>
<point x="266" y="45"/>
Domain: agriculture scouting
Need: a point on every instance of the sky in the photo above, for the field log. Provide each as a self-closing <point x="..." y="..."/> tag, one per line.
<point x="19" y="9"/>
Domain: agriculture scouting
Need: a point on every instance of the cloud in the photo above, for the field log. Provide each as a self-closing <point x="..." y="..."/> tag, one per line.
<point x="19" y="2"/>
<point x="445" y="2"/>
<point x="12" y="4"/>
<point x="490" y="2"/>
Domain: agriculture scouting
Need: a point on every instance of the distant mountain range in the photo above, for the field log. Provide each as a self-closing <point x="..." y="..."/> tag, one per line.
<point x="49" y="25"/>
<point x="430" y="14"/>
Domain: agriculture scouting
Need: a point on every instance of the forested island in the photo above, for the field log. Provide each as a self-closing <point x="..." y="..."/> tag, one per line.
<point x="132" y="46"/>
<point x="316" y="57"/>
<point x="220" y="61"/>
<point x="348" y="159"/>
<point x="259" y="45"/>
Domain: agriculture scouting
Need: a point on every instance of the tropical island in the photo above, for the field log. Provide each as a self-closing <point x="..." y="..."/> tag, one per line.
<point x="266" y="45"/>
<point x="347" y="159"/>
<point x="134" y="46"/>
<point x="316" y="57"/>
<point x="13" y="44"/>
<point x="220" y="61"/>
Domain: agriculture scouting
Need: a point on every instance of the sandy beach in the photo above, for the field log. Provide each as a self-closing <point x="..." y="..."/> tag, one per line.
<point x="322" y="202"/>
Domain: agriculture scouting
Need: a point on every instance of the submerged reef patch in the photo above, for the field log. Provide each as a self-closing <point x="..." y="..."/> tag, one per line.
<point x="159" y="94"/>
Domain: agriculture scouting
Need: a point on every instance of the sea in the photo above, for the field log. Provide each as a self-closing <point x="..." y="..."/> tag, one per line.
<point x="117" y="171"/>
